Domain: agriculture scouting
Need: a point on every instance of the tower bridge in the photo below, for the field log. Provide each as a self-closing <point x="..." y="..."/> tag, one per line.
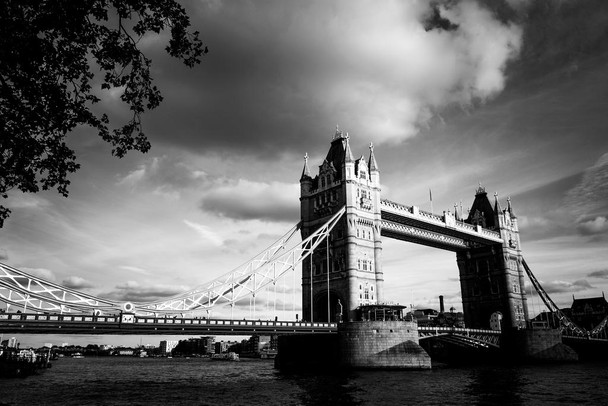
<point x="349" y="272"/>
<point x="343" y="222"/>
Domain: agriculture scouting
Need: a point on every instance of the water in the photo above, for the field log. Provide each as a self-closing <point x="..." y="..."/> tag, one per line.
<point x="196" y="381"/>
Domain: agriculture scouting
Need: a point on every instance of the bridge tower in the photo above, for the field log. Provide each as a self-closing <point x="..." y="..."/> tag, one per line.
<point x="346" y="272"/>
<point x="492" y="278"/>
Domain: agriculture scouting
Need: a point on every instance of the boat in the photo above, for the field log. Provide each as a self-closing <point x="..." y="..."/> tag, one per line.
<point x="228" y="356"/>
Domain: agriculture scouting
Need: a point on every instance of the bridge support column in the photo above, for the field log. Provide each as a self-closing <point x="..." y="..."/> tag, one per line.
<point x="351" y="268"/>
<point x="381" y="345"/>
<point x="492" y="277"/>
<point x="540" y="345"/>
<point x="357" y="345"/>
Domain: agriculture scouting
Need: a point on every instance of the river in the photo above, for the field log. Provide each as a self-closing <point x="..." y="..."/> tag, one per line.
<point x="199" y="381"/>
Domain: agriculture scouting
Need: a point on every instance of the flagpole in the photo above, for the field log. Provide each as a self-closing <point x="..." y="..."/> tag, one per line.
<point x="431" y="198"/>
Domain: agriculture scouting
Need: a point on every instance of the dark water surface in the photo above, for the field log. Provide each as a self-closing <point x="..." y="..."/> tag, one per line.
<point x="196" y="381"/>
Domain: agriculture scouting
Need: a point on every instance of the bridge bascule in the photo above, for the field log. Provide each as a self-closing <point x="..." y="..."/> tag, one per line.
<point x="343" y="221"/>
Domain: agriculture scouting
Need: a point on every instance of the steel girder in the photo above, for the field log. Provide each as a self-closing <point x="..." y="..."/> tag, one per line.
<point x="247" y="280"/>
<point x="415" y="221"/>
<point x="30" y="292"/>
<point x="463" y="336"/>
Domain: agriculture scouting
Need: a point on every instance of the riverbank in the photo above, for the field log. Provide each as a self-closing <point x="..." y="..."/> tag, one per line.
<point x="17" y="363"/>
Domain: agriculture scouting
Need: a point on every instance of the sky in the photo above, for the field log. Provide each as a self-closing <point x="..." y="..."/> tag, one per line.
<point x="512" y="95"/>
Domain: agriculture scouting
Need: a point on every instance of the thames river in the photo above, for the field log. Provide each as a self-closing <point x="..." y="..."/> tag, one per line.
<point x="199" y="381"/>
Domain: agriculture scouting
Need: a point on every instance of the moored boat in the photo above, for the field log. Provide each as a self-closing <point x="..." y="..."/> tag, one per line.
<point x="228" y="356"/>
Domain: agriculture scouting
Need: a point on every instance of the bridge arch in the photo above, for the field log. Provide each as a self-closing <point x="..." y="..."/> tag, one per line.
<point x="321" y="309"/>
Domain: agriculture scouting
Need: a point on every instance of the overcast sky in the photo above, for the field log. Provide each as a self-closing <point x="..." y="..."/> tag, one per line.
<point x="514" y="96"/>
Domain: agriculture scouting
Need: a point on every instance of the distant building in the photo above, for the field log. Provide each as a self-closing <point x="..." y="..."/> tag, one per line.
<point x="166" y="347"/>
<point x="192" y="346"/>
<point x="588" y="313"/>
<point x="424" y="317"/>
<point x="224" y="346"/>
<point x="431" y="317"/>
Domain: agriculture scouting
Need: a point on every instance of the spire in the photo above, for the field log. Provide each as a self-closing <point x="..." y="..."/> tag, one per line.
<point x="480" y="190"/>
<point x="513" y="216"/>
<point x="373" y="166"/>
<point x="338" y="134"/>
<point x="348" y="155"/>
<point x="305" y="171"/>
<point x="497" y="208"/>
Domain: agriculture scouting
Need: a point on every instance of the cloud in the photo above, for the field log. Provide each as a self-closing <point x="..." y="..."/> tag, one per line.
<point x="281" y="73"/>
<point x="135" y="269"/>
<point x="43" y="273"/>
<point x="247" y="200"/>
<point x="133" y="291"/>
<point x="26" y="201"/>
<point x="588" y="200"/>
<point x="599" y="225"/>
<point x="590" y="197"/>
<point x="164" y="175"/>
<point x="76" y="282"/>
<point x="206" y="233"/>
<point x="603" y="274"/>
<point x="563" y="286"/>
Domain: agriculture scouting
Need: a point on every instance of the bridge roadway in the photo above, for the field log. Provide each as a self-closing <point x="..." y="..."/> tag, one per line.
<point x="131" y="324"/>
<point x="124" y="324"/>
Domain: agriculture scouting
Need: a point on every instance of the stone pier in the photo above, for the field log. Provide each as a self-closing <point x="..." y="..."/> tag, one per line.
<point x="391" y="344"/>
<point x="381" y="345"/>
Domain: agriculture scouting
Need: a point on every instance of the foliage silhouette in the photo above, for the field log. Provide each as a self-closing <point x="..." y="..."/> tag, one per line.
<point x="49" y="54"/>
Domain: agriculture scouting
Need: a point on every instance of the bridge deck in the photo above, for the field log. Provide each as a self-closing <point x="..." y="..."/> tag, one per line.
<point x="131" y="324"/>
<point x="128" y="324"/>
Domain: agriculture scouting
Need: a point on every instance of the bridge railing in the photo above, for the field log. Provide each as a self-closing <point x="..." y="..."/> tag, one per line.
<point x="458" y="330"/>
<point x="72" y="318"/>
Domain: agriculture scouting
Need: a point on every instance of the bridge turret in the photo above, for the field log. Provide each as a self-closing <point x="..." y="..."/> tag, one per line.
<point x="351" y="267"/>
<point x="305" y="179"/>
<point x="481" y="212"/>
<point x="349" y="161"/>
<point x="492" y="278"/>
<point x="374" y="173"/>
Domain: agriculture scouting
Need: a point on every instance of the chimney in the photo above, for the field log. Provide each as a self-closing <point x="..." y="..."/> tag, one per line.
<point x="441" y="308"/>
